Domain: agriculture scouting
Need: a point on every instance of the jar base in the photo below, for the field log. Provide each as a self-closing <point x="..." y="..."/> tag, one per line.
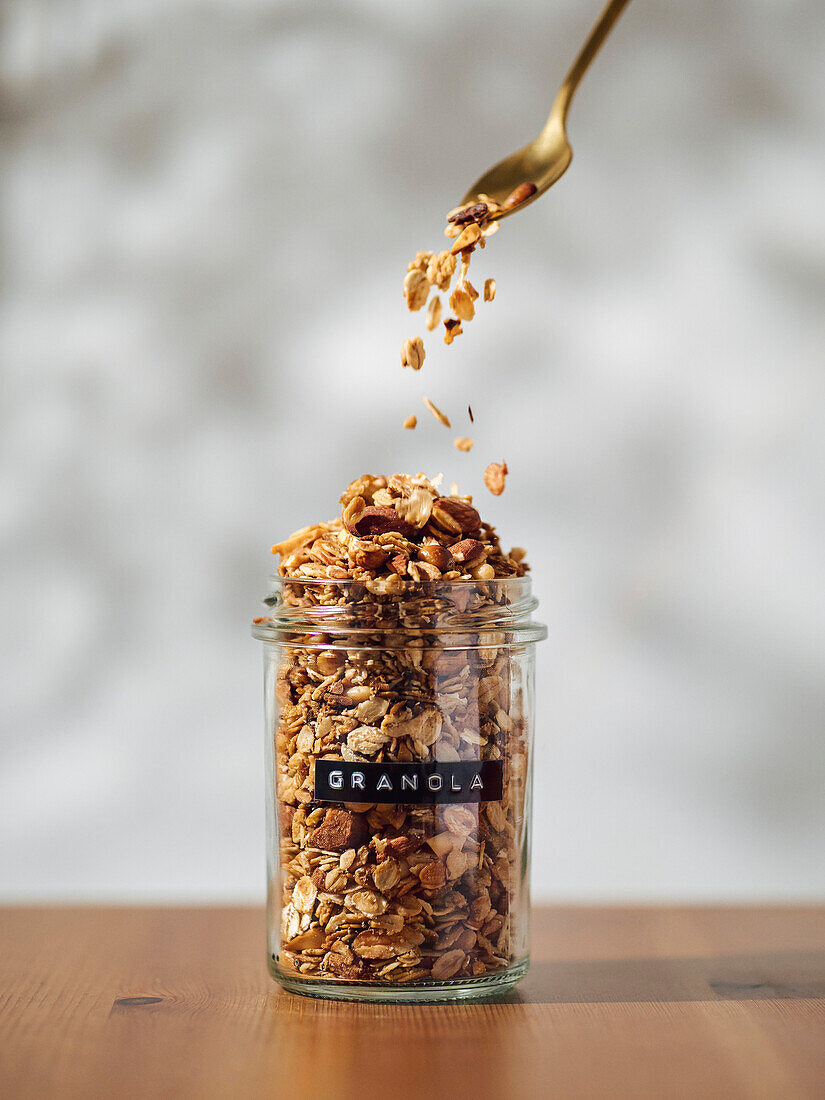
<point x="462" y="989"/>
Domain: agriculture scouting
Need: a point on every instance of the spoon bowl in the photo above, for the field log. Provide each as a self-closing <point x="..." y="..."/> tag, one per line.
<point x="544" y="160"/>
<point x="540" y="162"/>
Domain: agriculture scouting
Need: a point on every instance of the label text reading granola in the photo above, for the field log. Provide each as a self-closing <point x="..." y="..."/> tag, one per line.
<point x="405" y="783"/>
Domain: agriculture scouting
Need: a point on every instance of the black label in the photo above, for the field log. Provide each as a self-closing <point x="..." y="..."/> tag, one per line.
<point x="399" y="783"/>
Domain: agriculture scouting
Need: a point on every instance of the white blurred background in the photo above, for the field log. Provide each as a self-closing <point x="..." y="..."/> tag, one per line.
<point x="207" y="211"/>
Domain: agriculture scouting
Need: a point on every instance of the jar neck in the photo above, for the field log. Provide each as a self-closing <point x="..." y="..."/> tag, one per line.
<point x="448" y="612"/>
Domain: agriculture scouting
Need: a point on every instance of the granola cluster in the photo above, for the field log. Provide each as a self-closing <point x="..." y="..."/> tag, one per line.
<point x="394" y="668"/>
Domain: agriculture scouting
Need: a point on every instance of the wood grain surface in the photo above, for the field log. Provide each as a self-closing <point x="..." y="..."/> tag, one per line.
<point x="619" y="1002"/>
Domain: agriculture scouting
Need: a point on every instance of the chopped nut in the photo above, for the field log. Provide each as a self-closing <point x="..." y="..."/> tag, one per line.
<point x="433" y="313"/>
<point x="412" y="353"/>
<point x="471" y="290"/>
<point x="476" y="212"/>
<point x="469" y="551"/>
<point x="467" y="238"/>
<point x="489" y="290"/>
<point x="340" y="829"/>
<point x="437" y="413"/>
<point x="462" y="443"/>
<point x="494" y="477"/>
<point x="470" y="414"/>
<point x="411" y="421"/>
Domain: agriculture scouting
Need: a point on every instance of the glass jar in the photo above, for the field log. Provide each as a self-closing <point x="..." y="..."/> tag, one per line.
<point x="399" y="724"/>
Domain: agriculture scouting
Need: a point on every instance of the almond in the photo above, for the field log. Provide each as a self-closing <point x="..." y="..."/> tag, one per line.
<point x="467" y="238"/>
<point x="378" y="520"/>
<point x="461" y="512"/>
<point x="519" y="194"/>
<point x="468" y="551"/>
<point x="369" y="558"/>
<point x="439" y="556"/>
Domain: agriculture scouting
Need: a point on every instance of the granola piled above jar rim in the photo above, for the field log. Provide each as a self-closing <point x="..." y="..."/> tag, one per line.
<point x="395" y="530"/>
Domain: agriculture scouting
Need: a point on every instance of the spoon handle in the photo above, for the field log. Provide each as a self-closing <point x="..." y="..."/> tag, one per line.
<point x="600" y="31"/>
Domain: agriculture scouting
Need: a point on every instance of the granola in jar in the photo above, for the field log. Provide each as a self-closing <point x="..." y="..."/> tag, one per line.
<point x="398" y="661"/>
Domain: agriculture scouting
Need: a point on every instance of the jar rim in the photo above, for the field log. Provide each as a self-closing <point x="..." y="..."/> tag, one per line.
<point x="459" y="613"/>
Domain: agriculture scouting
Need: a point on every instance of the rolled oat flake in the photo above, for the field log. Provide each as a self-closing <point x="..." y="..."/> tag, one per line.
<point x="399" y="663"/>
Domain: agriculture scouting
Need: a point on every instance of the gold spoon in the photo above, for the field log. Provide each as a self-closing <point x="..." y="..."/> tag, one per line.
<point x="540" y="163"/>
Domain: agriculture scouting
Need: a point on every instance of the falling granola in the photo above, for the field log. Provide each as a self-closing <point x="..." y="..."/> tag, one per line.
<point x="412" y="353"/>
<point x="418" y="891"/>
<point x="468" y="226"/>
<point x="441" y="417"/>
<point x="495" y="477"/>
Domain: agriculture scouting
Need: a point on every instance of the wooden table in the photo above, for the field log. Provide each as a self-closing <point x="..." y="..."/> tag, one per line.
<point x="620" y="1002"/>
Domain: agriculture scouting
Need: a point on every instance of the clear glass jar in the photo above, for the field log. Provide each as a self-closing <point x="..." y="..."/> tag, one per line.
<point x="399" y="728"/>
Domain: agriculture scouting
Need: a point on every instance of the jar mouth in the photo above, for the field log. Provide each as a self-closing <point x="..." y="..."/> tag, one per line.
<point x="459" y="613"/>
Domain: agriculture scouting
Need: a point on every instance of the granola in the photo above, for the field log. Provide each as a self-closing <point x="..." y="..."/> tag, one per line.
<point x="441" y="417"/>
<point x="412" y="353"/>
<point x="495" y="476"/>
<point x="398" y="893"/>
<point x="468" y="226"/>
